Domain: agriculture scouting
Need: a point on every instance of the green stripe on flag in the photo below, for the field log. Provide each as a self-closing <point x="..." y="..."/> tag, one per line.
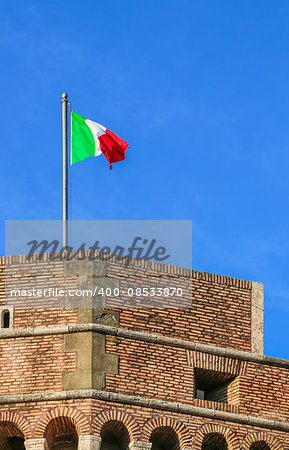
<point x="82" y="141"/>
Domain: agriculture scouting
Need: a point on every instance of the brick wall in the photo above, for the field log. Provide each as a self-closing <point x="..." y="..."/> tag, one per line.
<point x="214" y="309"/>
<point x="163" y="372"/>
<point x="220" y="315"/>
<point x="34" y="364"/>
<point x="89" y="416"/>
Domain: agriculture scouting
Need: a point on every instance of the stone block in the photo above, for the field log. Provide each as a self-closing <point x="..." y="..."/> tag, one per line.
<point x="88" y="442"/>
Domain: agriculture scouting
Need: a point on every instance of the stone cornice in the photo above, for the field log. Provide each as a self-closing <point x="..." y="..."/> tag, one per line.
<point x="145" y="337"/>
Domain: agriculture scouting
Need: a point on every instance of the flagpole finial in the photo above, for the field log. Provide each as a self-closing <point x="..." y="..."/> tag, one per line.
<point x="64" y="96"/>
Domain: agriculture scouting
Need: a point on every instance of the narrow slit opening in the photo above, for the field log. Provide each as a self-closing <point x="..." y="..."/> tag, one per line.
<point x="6" y="319"/>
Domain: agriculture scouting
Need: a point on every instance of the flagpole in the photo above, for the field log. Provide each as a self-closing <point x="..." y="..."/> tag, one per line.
<point x="65" y="169"/>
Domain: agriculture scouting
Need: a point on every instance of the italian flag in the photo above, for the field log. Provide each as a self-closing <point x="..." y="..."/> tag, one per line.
<point x="89" y="138"/>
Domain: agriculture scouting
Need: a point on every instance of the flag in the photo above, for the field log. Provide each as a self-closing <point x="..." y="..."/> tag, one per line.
<point x="89" y="138"/>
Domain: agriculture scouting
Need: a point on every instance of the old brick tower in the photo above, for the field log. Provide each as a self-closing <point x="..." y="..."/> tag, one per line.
<point x="77" y="375"/>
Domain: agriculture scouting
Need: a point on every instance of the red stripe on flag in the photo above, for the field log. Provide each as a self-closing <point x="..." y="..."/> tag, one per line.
<point x="113" y="147"/>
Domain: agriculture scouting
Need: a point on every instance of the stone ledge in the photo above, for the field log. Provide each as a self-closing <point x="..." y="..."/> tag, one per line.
<point x="146" y="403"/>
<point x="144" y="337"/>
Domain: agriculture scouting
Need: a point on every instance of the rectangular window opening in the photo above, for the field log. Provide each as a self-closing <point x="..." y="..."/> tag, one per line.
<point x="212" y="385"/>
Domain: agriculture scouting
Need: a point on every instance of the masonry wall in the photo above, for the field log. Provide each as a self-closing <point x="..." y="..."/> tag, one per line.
<point x="165" y="372"/>
<point x="214" y="309"/>
<point x="140" y="365"/>
<point x="90" y="415"/>
<point x="34" y="364"/>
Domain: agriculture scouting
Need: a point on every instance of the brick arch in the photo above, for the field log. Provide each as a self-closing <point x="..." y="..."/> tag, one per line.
<point x="273" y="443"/>
<point x="231" y="438"/>
<point x="113" y="414"/>
<point x="18" y="420"/>
<point x="158" y="422"/>
<point x="79" y="420"/>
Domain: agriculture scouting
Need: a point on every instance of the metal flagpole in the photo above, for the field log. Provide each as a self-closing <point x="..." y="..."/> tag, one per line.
<point x="65" y="169"/>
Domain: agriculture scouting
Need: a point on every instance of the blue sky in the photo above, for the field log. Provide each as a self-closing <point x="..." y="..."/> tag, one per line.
<point x="199" y="89"/>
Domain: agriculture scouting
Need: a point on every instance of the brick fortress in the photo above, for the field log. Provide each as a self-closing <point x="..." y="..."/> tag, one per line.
<point x="76" y="375"/>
